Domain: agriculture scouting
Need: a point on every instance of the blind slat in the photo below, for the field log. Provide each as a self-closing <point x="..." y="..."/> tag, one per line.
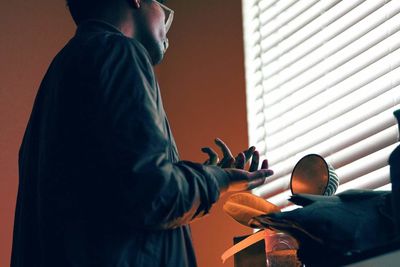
<point x="275" y="10"/>
<point x="264" y="5"/>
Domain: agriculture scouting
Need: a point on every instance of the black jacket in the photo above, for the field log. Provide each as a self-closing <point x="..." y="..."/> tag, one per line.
<point x="101" y="183"/>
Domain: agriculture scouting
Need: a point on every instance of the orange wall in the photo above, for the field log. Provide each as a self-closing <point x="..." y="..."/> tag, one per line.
<point x="202" y="82"/>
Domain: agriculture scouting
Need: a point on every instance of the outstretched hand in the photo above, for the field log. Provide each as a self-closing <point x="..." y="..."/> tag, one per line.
<point x="229" y="161"/>
<point x="240" y="179"/>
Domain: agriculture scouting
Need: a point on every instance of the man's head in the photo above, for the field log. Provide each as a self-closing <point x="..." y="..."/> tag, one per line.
<point x="145" y="20"/>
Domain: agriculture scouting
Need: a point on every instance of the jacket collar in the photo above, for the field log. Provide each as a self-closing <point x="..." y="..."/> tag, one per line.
<point x="94" y="25"/>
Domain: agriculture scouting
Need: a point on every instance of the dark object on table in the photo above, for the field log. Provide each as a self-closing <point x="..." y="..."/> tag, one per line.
<point x="332" y="229"/>
<point x="394" y="162"/>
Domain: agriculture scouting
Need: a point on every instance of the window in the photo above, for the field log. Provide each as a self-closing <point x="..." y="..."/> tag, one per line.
<point x="323" y="76"/>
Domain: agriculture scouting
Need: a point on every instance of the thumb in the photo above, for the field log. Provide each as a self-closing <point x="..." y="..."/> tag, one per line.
<point x="258" y="178"/>
<point x="262" y="173"/>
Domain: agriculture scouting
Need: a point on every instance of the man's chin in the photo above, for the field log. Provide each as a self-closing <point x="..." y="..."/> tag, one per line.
<point x="157" y="60"/>
<point x="157" y="57"/>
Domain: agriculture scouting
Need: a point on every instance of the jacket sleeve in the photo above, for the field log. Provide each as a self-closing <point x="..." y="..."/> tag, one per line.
<point x="153" y="192"/>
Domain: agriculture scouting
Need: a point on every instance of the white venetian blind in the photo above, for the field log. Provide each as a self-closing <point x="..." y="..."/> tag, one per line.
<point x="323" y="76"/>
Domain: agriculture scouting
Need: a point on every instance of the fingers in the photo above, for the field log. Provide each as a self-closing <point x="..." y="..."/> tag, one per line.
<point x="249" y="152"/>
<point x="264" y="164"/>
<point x="225" y="150"/>
<point x="227" y="163"/>
<point x="213" y="156"/>
<point x="228" y="160"/>
<point x="240" y="161"/>
<point x="255" y="183"/>
<point x="243" y="157"/>
<point x="254" y="161"/>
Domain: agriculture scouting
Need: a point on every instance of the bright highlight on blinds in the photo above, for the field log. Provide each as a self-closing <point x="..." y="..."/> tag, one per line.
<point x="323" y="77"/>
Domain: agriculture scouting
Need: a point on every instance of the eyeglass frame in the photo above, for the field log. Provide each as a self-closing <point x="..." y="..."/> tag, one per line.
<point x="170" y="18"/>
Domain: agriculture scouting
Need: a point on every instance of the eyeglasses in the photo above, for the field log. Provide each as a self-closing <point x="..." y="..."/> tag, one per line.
<point x="169" y="15"/>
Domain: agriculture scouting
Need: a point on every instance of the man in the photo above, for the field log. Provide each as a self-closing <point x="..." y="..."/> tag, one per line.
<point x="101" y="183"/>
